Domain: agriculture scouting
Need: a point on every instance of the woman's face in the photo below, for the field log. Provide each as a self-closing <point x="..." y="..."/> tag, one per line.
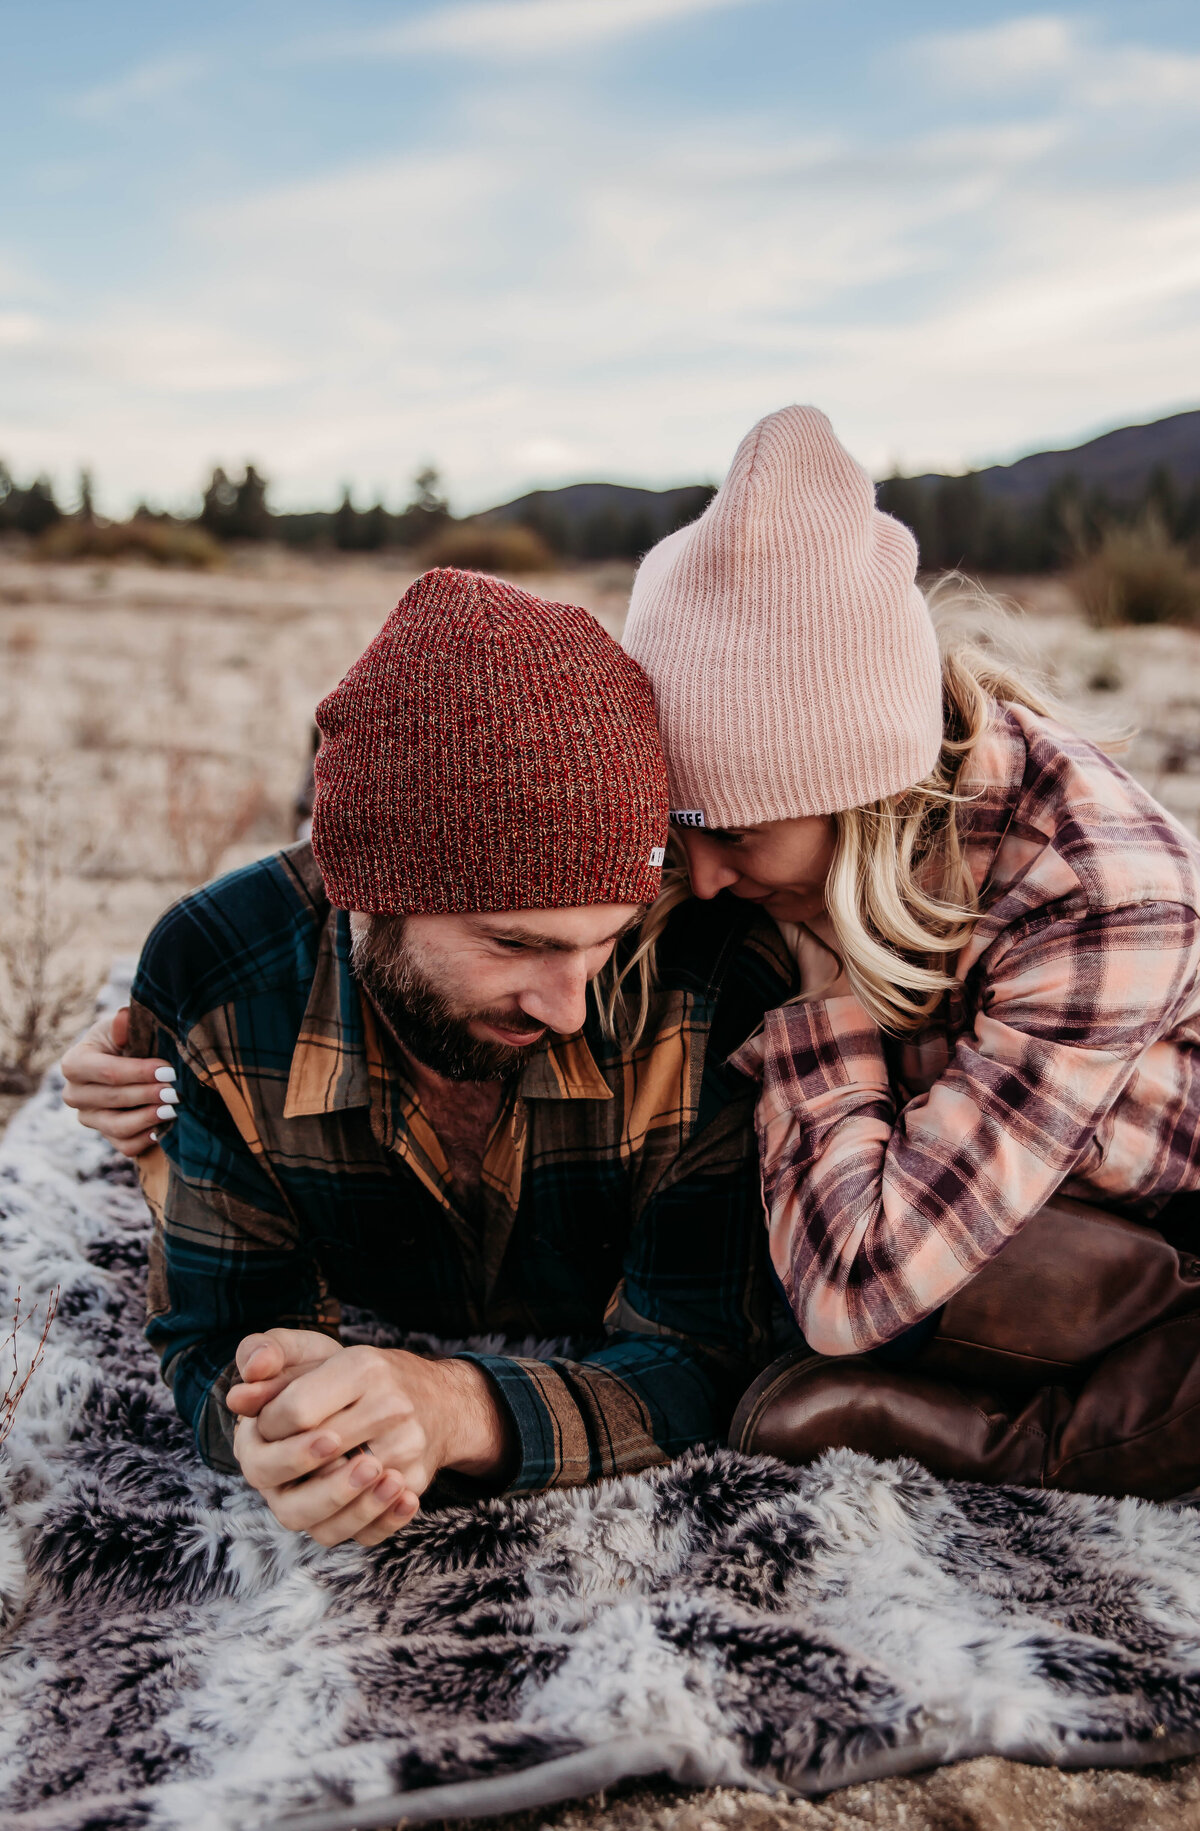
<point x="781" y="864"/>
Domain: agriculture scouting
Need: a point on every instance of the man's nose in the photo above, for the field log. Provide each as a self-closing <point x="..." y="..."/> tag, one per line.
<point x="558" y="996"/>
<point x="708" y="872"/>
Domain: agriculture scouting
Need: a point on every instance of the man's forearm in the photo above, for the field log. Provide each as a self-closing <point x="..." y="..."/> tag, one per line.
<point x="479" y="1433"/>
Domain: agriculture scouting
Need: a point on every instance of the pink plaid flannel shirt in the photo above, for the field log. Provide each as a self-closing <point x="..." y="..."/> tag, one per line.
<point x="1066" y="1056"/>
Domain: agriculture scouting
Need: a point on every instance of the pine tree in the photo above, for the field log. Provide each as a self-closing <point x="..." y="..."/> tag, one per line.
<point x="345" y="524"/>
<point x="251" y="518"/>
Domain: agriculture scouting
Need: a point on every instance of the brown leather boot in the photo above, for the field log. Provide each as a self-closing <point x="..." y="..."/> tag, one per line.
<point x="804" y="1404"/>
<point x="1133" y="1427"/>
<point x="1074" y="1282"/>
<point x="1072" y="1360"/>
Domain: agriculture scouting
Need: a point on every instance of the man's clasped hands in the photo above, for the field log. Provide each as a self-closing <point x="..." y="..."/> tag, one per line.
<point x="341" y="1442"/>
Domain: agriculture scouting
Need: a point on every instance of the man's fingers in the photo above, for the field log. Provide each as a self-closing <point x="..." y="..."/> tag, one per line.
<point x="368" y="1514"/>
<point x="401" y="1445"/>
<point x="311" y="1504"/>
<point x="313" y="1398"/>
<point x="271" y="1467"/>
<point x="287" y="1345"/>
<point x="394" y="1520"/>
<point x="346" y="1485"/>
<point x="260" y="1357"/>
<point x="248" y="1399"/>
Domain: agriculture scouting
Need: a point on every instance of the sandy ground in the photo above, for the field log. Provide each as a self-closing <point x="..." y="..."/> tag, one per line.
<point x="984" y="1795"/>
<point x="153" y="729"/>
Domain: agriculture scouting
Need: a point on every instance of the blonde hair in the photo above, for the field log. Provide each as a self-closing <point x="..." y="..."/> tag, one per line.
<point x="900" y="895"/>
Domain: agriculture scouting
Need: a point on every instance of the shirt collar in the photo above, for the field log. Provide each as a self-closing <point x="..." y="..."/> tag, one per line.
<point x="330" y="1071"/>
<point x="329" y="1064"/>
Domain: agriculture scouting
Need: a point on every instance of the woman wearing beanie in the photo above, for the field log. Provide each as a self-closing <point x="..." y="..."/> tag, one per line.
<point x="979" y="1122"/>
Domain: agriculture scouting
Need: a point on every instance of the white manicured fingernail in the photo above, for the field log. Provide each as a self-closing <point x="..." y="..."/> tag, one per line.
<point x="168" y="1096"/>
<point x="164" y="1074"/>
<point x="153" y="1136"/>
<point x="165" y="1112"/>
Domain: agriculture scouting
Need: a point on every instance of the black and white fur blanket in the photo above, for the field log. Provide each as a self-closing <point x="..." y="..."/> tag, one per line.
<point x="172" y="1658"/>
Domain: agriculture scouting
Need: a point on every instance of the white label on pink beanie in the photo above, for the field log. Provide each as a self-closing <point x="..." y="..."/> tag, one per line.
<point x="687" y="816"/>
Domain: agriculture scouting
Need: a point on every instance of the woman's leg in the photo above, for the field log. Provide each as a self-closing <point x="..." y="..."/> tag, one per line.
<point x="1072" y="1361"/>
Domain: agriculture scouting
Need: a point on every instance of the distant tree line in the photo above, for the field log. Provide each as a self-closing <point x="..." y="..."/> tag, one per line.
<point x="239" y="511"/>
<point x="956" y="521"/>
<point x="610" y="532"/>
<point x="28" y="508"/>
<point x="959" y="525"/>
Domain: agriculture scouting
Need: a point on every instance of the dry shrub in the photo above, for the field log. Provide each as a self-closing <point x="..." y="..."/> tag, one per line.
<point x="487" y="546"/>
<point x="166" y="543"/>
<point x="206" y="814"/>
<point x="1106" y="676"/>
<point x="17" y="1381"/>
<point x="93" y="729"/>
<point x="22" y="641"/>
<point x="1137" y="575"/>
<point x="43" y="995"/>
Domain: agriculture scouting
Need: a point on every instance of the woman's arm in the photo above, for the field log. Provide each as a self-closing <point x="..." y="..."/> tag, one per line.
<point x="879" y="1214"/>
<point x="126" y="1099"/>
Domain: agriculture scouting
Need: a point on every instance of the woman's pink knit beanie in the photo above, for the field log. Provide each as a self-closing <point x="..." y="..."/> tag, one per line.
<point x="793" y="660"/>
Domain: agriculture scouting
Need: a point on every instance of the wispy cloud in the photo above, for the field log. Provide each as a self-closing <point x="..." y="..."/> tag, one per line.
<point x="1066" y="53"/>
<point x="541" y="284"/>
<point x="519" y="30"/>
<point x="19" y="329"/>
<point x="146" y="84"/>
<point x="704" y="277"/>
<point x="1005" y="54"/>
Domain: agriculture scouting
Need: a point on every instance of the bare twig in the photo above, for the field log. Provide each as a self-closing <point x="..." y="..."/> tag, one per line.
<point x="205" y="816"/>
<point x="11" y="1397"/>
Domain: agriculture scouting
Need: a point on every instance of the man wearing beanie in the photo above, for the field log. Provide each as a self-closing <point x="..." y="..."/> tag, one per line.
<point x="397" y="1092"/>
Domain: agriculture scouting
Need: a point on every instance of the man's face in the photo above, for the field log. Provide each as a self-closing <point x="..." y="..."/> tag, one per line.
<point x="471" y="995"/>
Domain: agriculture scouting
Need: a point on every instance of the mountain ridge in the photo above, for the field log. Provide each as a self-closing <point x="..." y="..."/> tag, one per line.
<point x="1118" y="462"/>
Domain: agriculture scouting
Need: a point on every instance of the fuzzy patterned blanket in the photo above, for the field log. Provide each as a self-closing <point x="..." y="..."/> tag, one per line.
<point x="171" y="1658"/>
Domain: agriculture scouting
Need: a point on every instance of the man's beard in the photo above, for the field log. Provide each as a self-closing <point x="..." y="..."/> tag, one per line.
<point x="422" y="1018"/>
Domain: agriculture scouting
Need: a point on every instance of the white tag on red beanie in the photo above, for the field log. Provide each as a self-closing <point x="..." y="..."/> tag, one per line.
<point x="657" y="855"/>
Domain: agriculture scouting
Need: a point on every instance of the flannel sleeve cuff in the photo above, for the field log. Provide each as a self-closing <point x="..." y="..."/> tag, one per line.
<point x="215" y="1424"/>
<point x="549" y="1434"/>
<point x="827" y="1046"/>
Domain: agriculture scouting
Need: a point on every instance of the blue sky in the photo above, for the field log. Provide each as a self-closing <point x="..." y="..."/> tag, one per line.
<point x="540" y="240"/>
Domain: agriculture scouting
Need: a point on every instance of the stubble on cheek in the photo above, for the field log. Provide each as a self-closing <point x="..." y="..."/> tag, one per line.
<point x="422" y="1015"/>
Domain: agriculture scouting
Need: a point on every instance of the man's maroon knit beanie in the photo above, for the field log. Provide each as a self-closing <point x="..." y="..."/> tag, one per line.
<point x="489" y="751"/>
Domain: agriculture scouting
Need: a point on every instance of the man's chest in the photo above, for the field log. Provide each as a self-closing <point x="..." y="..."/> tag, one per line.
<point x="462" y="1117"/>
<point x="537" y="1252"/>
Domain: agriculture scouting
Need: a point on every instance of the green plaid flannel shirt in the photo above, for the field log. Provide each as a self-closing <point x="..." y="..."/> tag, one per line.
<point x="620" y="1206"/>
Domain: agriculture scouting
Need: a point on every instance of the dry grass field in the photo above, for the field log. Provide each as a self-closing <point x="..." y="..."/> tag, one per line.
<point x="154" y="727"/>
